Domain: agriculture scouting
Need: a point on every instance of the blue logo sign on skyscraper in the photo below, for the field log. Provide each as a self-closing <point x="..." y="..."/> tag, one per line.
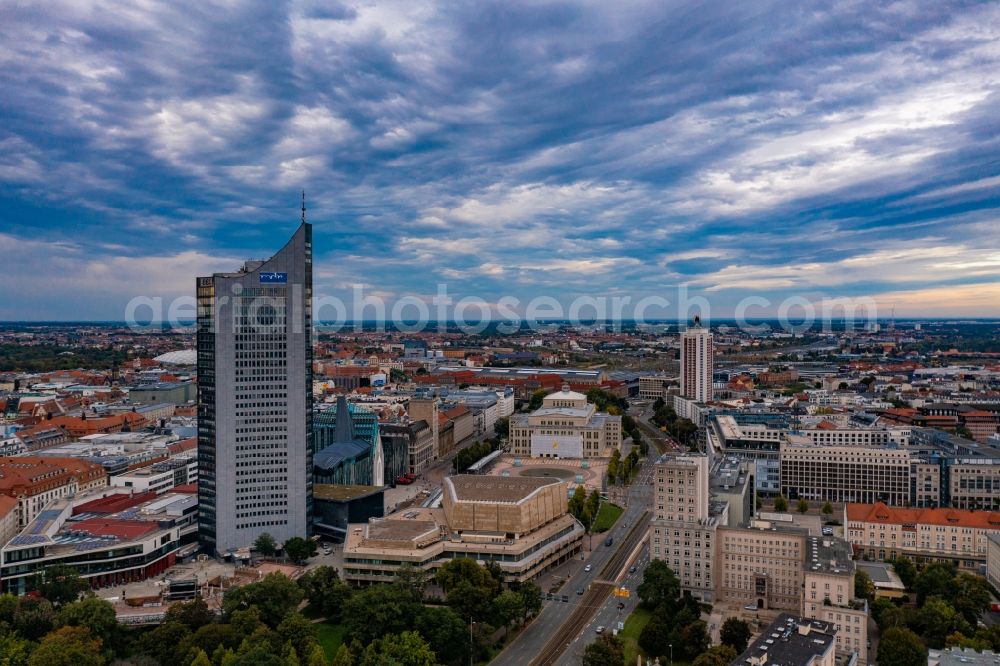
<point x="273" y="278"/>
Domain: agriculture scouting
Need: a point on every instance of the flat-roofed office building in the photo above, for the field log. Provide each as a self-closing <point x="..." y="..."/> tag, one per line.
<point x="255" y="399"/>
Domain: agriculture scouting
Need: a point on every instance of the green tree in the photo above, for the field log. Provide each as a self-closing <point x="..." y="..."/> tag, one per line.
<point x="719" y="655"/>
<point x="412" y="579"/>
<point x="14" y="650"/>
<point x="318" y="658"/>
<point x="655" y="636"/>
<point x="299" y="550"/>
<point x="938" y="619"/>
<point x="342" y="658"/>
<point x="508" y="608"/>
<point x="296" y="630"/>
<point x="607" y="650"/>
<point x="275" y="596"/>
<point x="885" y="613"/>
<point x="465" y="569"/>
<point x="167" y="643"/>
<point x="935" y="580"/>
<point x="502" y="428"/>
<point x="469" y="601"/>
<point x="659" y="585"/>
<point x="901" y="647"/>
<point x="864" y="588"/>
<point x="446" y="633"/>
<point x="803" y="506"/>
<point x="60" y="584"/>
<point x="594" y="503"/>
<point x="325" y="591"/>
<point x="536" y="399"/>
<point x="405" y="649"/>
<point x="193" y="614"/>
<point x="827" y="510"/>
<point x="577" y="501"/>
<point x="971" y="596"/>
<point x="692" y="638"/>
<point x="212" y="637"/>
<point x="258" y="656"/>
<point x="265" y="545"/>
<point x="735" y="633"/>
<point x="906" y="570"/>
<point x="8" y="605"/>
<point x="68" y="646"/>
<point x="780" y="504"/>
<point x="33" y="618"/>
<point x="531" y="599"/>
<point x="201" y="658"/>
<point x="93" y="613"/>
<point x="378" y="610"/>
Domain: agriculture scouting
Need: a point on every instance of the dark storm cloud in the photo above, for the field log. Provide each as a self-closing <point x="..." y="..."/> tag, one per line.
<point x="504" y="147"/>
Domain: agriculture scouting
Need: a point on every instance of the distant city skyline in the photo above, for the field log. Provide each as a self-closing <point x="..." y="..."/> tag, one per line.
<point x="562" y="150"/>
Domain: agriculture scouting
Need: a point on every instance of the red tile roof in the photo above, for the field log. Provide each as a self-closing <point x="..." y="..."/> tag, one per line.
<point x="122" y="529"/>
<point x="891" y="515"/>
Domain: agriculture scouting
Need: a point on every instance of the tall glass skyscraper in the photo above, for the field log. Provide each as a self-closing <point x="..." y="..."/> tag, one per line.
<point x="255" y="399"/>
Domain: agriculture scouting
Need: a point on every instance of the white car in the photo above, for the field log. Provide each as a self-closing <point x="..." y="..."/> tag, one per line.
<point x="600" y="630"/>
<point x="587" y="568"/>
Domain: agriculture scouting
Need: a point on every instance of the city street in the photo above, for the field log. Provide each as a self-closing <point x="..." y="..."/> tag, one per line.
<point x="554" y="613"/>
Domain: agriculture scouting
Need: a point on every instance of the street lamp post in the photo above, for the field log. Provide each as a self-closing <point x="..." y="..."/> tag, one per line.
<point x="472" y="649"/>
<point x="671" y="654"/>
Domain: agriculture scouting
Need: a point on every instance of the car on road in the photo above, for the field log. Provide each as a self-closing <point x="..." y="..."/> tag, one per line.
<point x="579" y="591"/>
<point x="588" y="568"/>
<point x="632" y="570"/>
<point x="600" y="629"/>
<point x="609" y="541"/>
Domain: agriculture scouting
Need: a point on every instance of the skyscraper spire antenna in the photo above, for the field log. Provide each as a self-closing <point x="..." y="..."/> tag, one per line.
<point x="303" y="206"/>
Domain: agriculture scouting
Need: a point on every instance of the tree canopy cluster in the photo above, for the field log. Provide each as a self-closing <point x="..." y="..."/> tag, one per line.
<point x="620" y="470"/>
<point x="676" y="619"/>
<point x="584" y="507"/>
<point x="470" y="454"/>
<point x="260" y="623"/>
<point x="946" y="614"/>
<point x="683" y="430"/>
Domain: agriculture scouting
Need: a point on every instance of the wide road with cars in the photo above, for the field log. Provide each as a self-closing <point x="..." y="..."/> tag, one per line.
<point x="567" y="616"/>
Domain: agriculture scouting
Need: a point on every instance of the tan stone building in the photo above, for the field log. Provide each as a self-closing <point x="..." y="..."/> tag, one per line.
<point x="683" y="529"/>
<point x="521" y="523"/>
<point x="8" y="519"/>
<point x="953" y="535"/>
<point x="767" y="564"/>
<point x="565" y="426"/>
<point x="34" y="481"/>
<point x="993" y="559"/>
<point x="828" y="594"/>
<point x="792" y="641"/>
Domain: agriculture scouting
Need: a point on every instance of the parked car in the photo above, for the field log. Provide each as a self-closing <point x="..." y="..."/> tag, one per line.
<point x="600" y="629"/>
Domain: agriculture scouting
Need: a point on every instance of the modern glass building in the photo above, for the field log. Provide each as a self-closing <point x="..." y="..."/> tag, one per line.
<point x="255" y="399"/>
<point x="348" y="446"/>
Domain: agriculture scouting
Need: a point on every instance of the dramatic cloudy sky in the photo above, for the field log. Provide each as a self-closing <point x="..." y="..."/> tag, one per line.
<point x="778" y="149"/>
